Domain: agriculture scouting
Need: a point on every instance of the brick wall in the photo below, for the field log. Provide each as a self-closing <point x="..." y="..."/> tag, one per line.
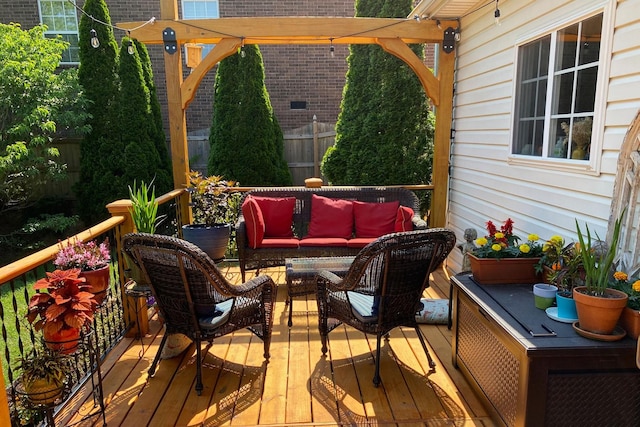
<point x="292" y="73"/>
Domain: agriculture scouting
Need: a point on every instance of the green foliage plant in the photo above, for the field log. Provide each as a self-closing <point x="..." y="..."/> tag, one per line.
<point x="42" y="364"/>
<point x="597" y="257"/>
<point x="144" y="208"/>
<point x="36" y="101"/>
<point x="213" y="201"/>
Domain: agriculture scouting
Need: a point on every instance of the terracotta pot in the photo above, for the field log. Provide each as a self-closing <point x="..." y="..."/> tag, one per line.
<point x="630" y="322"/>
<point x="64" y="341"/>
<point x="491" y="271"/>
<point x="98" y="281"/>
<point x="599" y="314"/>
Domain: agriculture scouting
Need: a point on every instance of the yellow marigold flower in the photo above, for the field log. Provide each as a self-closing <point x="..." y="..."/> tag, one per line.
<point x="620" y="275"/>
<point x="499" y="235"/>
<point x="546" y="247"/>
<point x="496" y="247"/>
<point x="481" y="241"/>
<point x="533" y="237"/>
<point x="636" y="286"/>
<point x="524" y="248"/>
<point x="557" y="240"/>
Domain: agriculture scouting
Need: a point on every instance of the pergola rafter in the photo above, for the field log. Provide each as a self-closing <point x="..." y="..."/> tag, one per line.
<point x="228" y="34"/>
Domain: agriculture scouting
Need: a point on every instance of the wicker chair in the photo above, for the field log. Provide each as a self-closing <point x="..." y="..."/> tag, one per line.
<point x="194" y="297"/>
<point x="383" y="287"/>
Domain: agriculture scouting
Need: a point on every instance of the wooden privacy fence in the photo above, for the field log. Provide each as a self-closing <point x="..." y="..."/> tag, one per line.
<point x="304" y="148"/>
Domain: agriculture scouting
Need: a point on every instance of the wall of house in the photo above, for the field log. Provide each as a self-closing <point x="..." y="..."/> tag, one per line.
<point x="541" y="197"/>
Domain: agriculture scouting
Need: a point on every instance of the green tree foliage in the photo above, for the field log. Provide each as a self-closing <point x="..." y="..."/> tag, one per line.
<point x="35" y="102"/>
<point x="246" y="139"/>
<point x="100" y="153"/>
<point x="384" y="130"/>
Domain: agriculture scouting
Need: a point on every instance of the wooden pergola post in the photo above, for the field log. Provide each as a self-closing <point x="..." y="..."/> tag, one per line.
<point x="392" y="34"/>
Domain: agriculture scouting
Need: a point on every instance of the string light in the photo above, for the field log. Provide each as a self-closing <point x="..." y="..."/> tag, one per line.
<point x="94" y="39"/>
<point x="130" y="48"/>
<point x="332" y="49"/>
<point x="242" y="52"/>
<point x="496" y="14"/>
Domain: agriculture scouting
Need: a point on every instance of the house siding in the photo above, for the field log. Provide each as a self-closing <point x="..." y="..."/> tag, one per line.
<point x="544" y="199"/>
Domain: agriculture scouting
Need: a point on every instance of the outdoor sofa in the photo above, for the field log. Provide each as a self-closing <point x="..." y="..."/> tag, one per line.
<point x="293" y="222"/>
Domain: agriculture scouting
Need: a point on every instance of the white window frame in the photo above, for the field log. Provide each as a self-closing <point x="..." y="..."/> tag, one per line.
<point x="206" y="48"/>
<point x="70" y="13"/>
<point x="591" y="166"/>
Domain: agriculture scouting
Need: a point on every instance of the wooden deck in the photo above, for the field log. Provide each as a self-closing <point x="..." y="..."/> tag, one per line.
<point x="298" y="387"/>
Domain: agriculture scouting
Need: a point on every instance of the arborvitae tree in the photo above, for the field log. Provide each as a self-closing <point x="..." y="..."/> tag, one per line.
<point x="384" y="130"/>
<point x="163" y="184"/>
<point x="246" y="139"/>
<point x="100" y="155"/>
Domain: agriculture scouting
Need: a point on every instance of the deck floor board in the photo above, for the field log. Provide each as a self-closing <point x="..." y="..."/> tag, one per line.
<point x="298" y="386"/>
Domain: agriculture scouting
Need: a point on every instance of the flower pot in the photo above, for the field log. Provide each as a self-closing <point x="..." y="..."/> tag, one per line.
<point x="544" y="295"/>
<point x="566" y="305"/>
<point x="213" y="240"/>
<point x="98" y="281"/>
<point x="630" y="322"/>
<point x="596" y="314"/>
<point x="43" y="391"/>
<point x="492" y="271"/>
<point x="65" y="341"/>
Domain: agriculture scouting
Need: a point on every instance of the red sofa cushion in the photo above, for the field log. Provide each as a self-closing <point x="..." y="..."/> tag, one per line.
<point x="280" y="243"/>
<point x="254" y="222"/>
<point x="375" y="219"/>
<point x="278" y="215"/>
<point x="330" y="217"/>
<point x="404" y="219"/>
<point x="360" y="242"/>
<point x="323" y="241"/>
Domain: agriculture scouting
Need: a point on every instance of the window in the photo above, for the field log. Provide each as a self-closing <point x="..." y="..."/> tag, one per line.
<point x="556" y="92"/>
<point x="201" y="9"/>
<point x="61" y="20"/>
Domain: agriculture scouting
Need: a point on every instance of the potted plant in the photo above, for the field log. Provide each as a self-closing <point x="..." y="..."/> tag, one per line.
<point x="63" y="310"/>
<point x="43" y="376"/>
<point x="215" y="208"/>
<point x="144" y="208"/>
<point x="93" y="261"/>
<point x="599" y="307"/>
<point x="630" y="318"/>
<point x="500" y="257"/>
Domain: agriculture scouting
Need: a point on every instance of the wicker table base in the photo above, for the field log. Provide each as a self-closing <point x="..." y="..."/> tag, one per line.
<point x="301" y="275"/>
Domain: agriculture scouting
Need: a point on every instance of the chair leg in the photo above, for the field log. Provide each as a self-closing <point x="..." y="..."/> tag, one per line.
<point x="199" y="386"/>
<point x="152" y="369"/>
<point x="290" y="323"/>
<point x="376" y="375"/>
<point x="432" y="364"/>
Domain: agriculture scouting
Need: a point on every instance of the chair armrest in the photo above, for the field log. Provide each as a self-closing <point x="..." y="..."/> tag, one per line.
<point x="253" y="284"/>
<point x="327" y="279"/>
<point x="419" y="223"/>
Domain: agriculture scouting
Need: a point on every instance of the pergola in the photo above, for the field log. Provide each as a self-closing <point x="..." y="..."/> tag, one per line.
<point x="228" y="34"/>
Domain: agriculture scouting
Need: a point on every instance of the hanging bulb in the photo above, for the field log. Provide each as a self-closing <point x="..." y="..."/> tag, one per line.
<point x="94" y="39"/>
<point x="242" y="52"/>
<point x="332" y="49"/>
<point x="496" y="14"/>
<point x="130" y="48"/>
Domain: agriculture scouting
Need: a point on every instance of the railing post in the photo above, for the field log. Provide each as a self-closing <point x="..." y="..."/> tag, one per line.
<point x="134" y="309"/>
<point x="5" y="418"/>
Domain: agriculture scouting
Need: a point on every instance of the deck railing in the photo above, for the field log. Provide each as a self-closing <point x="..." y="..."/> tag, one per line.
<point x="115" y="317"/>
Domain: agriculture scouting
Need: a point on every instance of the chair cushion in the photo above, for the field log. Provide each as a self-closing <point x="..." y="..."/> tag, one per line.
<point x="278" y="215"/>
<point x="364" y="307"/>
<point x="434" y="311"/>
<point x="330" y="217"/>
<point x="174" y="346"/>
<point x="375" y="219"/>
<point x="404" y="219"/>
<point x="323" y="241"/>
<point x="280" y="243"/>
<point x="360" y="242"/>
<point x="218" y="317"/>
<point x="254" y="222"/>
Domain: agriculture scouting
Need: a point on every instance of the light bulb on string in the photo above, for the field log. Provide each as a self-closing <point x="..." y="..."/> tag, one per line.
<point x="130" y="48"/>
<point x="94" y="39"/>
<point x="496" y="14"/>
<point x="332" y="49"/>
<point x="242" y="52"/>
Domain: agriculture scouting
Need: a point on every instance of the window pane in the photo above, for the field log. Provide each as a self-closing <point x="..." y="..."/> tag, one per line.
<point x="559" y="148"/>
<point x="586" y="90"/>
<point x="579" y="133"/>
<point x="563" y="93"/>
<point x="566" y="48"/>
<point x="60" y="18"/>
<point x="590" y="46"/>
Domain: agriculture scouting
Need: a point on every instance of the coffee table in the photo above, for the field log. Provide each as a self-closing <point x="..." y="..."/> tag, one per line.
<point x="301" y="273"/>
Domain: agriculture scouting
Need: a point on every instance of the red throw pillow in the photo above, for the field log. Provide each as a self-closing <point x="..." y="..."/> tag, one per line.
<point x="278" y="215"/>
<point x="254" y="222"/>
<point x="331" y="217"/>
<point x="375" y="219"/>
<point x="404" y="220"/>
